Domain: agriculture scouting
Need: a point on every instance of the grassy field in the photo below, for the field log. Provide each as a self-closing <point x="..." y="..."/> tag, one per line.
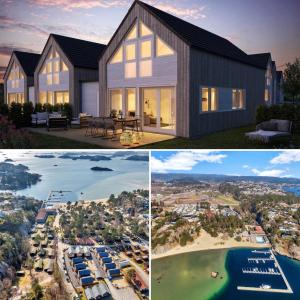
<point x="46" y="141"/>
<point x="228" y="139"/>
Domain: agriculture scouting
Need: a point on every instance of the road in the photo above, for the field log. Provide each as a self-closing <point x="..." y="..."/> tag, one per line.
<point x="139" y="270"/>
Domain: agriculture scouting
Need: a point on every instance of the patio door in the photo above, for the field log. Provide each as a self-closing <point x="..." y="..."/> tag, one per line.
<point x="159" y="109"/>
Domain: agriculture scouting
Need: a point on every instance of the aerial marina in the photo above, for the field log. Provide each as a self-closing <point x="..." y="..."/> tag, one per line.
<point x="268" y="258"/>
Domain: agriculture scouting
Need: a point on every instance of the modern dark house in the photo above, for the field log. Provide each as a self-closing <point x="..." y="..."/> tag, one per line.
<point x="18" y="78"/>
<point x="180" y="79"/>
<point x="67" y="72"/>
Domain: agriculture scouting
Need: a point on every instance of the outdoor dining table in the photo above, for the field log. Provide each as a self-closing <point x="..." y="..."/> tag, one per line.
<point x="126" y="121"/>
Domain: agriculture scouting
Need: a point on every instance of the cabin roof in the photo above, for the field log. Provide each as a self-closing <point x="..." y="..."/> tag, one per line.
<point x="82" y="54"/>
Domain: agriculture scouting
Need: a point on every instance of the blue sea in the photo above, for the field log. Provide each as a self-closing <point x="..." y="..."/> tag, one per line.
<point x="76" y="175"/>
<point x="292" y="189"/>
<point x="237" y="259"/>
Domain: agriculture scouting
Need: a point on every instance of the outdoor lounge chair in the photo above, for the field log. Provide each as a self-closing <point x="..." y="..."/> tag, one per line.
<point x="39" y="118"/>
<point x="110" y="125"/>
<point x="269" y="131"/>
<point x="82" y="120"/>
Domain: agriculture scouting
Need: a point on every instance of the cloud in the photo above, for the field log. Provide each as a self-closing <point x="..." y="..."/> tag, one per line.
<point x="7" y="49"/>
<point x="270" y="173"/>
<point x="173" y="7"/>
<point x="286" y="157"/>
<point x="184" y="160"/>
<point x="79" y="4"/>
<point x="246" y="167"/>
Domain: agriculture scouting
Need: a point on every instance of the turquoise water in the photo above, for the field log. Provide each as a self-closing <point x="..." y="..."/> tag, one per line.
<point x="187" y="276"/>
<point x="77" y="176"/>
<point x="237" y="259"/>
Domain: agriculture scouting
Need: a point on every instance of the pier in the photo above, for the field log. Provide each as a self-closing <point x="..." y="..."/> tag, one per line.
<point x="269" y="271"/>
<point x="260" y="259"/>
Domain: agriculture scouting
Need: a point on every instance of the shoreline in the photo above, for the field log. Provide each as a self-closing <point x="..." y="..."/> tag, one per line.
<point x="205" y="242"/>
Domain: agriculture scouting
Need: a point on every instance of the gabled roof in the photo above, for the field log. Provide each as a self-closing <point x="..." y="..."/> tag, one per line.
<point x="27" y="60"/>
<point x="200" y="38"/>
<point x="82" y="54"/>
<point x="261" y="58"/>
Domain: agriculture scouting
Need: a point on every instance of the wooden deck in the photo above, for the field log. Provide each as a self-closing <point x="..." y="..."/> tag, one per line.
<point x="77" y="134"/>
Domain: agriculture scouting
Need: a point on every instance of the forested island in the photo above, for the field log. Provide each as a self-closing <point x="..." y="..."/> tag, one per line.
<point x="86" y="157"/>
<point x="101" y="169"/>
<point x="138" y="158"/>
<point x="16" y="177"/>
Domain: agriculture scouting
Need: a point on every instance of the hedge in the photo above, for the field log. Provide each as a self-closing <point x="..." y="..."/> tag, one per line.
<point x="284" y="112"/>
<point x="20" y="114"/>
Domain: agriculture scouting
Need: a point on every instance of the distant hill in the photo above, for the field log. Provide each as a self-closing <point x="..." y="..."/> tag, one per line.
<point x="138" y="158"/>
<point x="220" y="178"/>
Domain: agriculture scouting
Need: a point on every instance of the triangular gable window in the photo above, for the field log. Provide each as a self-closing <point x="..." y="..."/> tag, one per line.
<point x="132" y="33"/>
<point x="162" y="49"/>
<point x="118" y="56"/>
<point x="144" y="30"/>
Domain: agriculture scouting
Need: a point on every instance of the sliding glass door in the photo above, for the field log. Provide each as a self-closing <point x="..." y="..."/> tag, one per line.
<point x="159" y="109"/>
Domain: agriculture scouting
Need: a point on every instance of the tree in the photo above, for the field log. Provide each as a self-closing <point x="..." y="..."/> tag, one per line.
<point x="291" y="79"/>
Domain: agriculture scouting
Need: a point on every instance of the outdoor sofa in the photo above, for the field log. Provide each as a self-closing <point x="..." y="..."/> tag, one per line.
<point x="270" y="131"/>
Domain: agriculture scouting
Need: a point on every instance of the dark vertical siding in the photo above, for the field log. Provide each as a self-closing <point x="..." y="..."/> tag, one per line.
<point x="215" y="71"/>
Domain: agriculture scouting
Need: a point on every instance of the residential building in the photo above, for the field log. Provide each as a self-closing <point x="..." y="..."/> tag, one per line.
<point x="18" y="78"/>
<point x="279" y="87"/>
<point x="67" y="72"/>
<point x="265" y="60"/>
<point x="179" y="78"/>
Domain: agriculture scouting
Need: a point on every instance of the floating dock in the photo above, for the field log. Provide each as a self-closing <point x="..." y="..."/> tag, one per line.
<point x="269" y="271"/>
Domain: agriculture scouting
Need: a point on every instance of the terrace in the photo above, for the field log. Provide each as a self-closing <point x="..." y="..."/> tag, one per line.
<point x="78" y="137"/>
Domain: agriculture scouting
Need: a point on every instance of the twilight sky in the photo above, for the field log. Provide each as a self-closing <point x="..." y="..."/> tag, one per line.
<point x="238" y="163"/>
<point x="253" y="25"/>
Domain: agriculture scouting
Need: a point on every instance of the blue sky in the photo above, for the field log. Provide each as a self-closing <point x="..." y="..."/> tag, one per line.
<point x="253" y="25"/>
<point x="240" y="163"/>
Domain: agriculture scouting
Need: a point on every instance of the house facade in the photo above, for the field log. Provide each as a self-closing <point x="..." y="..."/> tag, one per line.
<point x="67" y="72"/>
<point x="279" y="87"/>
<point x="18" y="78"/>
<point x="178" y="78"/>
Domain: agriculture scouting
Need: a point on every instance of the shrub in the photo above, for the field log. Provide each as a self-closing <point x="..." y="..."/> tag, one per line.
<point x="27" y="111"/>
<point x="285" y="112"/>
<point x="38" y="107"/>
<point x="4" y="109"/>
<point x="15" y="113"/>
<point x="58" y="107"/>
<point x="48" y="107"/>
<point x="67" y="110"/>
<point x="12" y="138"/>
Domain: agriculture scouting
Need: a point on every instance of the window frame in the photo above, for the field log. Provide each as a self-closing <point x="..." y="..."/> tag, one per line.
<point x="209" y="110"/>
<point x="243" y="93"/>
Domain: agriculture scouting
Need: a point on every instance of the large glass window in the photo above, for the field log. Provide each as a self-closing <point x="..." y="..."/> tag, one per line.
<point x="42" y="97"/>
<point x="116" y="100"/>
<point x="162" y="49"/>
<point x="146" y="68"/>
<point x="213" y="99"/>
<point x="50" y="97"/>
<point x="238" y="99"/>
<point x="130" y="102"/>
<point x="144" y="30"/>
<point x="130" y="70"/>
<point x="61" y="97"/>
<point x="130" y="52"/>
<point x="146" y="49"/>
<point x="118" y="56"/>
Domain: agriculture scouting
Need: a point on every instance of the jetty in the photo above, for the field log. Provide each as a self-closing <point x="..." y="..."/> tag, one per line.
<point x="269" y="271"/>
<point x="260" y="259"/>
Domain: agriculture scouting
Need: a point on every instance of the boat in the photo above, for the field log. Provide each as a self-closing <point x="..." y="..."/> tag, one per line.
<point x="265" y="286"/>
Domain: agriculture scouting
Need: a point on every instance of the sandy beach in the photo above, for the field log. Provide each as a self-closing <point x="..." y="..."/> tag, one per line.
<point x="206" y="242"/>
<point x="83" y="202"/>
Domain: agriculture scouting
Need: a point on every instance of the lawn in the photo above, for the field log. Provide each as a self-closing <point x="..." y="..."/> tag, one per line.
<point x="228" y="139"/>
<point x="46" y="141"/>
